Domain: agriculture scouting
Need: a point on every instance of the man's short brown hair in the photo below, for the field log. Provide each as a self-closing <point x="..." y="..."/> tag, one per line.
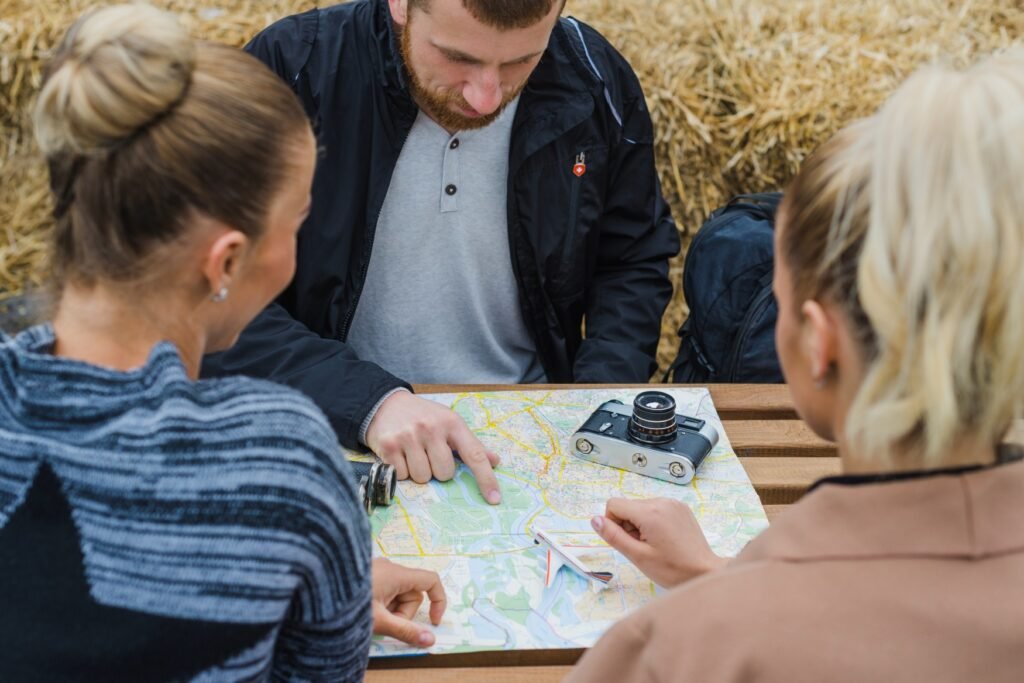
<point x="502" y="14"/>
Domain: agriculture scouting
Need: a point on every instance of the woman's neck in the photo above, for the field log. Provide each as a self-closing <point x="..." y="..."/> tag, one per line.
<point x="117" y="327"/>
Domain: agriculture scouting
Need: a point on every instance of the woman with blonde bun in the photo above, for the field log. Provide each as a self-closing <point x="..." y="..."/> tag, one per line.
<point x="153" y="526"/>
<point x="899" y="274"/>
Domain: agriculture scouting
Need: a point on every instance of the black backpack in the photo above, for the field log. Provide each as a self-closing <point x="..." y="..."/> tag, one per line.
<point x="729" y="335"/>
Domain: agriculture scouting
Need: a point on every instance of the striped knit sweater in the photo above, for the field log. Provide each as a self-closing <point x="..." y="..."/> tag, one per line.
<point x="157" y="528"/>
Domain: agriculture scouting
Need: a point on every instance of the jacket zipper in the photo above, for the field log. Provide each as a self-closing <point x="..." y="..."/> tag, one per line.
<point x="574" y="208"/>
<point x="367" y="253"/>
<point x="350" y="313"/>
<point x="526" y="306"/>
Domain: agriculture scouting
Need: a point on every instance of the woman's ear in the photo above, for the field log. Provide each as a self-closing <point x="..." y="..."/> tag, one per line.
<point x="819" y="340"/>
<point x="224" y="259"/>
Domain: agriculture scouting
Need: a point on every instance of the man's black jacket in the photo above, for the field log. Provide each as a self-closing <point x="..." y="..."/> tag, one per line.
<point x="593" y="247"/>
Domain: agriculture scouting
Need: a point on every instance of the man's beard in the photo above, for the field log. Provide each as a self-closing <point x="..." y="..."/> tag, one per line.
<point x="439" y="105"/>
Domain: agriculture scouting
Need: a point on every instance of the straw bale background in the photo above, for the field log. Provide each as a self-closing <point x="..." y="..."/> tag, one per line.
<point x="740" y="90"/>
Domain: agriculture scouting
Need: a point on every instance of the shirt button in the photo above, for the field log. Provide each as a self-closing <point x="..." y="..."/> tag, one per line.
<point x="455" y="144"/>
<point x="450" y="190"/>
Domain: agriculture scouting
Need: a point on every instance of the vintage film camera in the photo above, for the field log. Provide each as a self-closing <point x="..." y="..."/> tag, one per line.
<point x="651" y="439"/>
<point x="377" y="482"/>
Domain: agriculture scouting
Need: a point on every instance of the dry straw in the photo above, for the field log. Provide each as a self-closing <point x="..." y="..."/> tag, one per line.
<point x="740" y="90"/>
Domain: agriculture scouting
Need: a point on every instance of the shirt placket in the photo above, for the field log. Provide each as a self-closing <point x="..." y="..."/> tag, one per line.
<point x="450" y="175"/>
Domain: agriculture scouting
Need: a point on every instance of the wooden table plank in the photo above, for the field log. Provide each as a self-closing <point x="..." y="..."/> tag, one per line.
<point x="464" y="660"/>
<point x="774" y="438"/>
<point x="520" y="674"/>
<point x="783" y="480"/>
<point x="732" y="401"/>
<point x="793" y="438"/>
<point x="752" y="401"/>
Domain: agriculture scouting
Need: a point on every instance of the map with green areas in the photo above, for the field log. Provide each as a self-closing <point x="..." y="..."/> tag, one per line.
<point x="492" y="570"/>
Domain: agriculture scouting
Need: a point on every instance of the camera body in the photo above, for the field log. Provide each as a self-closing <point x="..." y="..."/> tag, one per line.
<point x="651" y="439"/>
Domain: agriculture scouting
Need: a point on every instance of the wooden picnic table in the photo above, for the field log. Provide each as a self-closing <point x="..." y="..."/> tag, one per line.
<point x="781" y="455"/>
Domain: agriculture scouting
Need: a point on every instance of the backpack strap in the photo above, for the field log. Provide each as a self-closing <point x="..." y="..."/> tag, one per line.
<point x="764" y="203"/>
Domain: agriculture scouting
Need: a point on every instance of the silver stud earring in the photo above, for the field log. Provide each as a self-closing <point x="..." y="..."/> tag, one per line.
<point x="221" y="295"/>
<point x="821" y="381"/>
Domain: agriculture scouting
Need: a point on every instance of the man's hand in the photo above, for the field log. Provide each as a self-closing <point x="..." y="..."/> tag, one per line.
<point x="397" y="595"/>
<point x="419" y="437"/>
<point x="660" y="536"/>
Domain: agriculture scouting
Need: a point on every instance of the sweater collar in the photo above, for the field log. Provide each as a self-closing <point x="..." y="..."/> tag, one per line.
<point x="41" y="384"/>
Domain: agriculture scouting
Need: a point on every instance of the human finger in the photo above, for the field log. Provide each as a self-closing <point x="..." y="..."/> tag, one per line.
<point x="614" y="535"/>
<point x="419" y="580"/>
<point x="623" y="510"/>
<point x="629" y="528"/>
<point x="393" y="456"/>
<point x="493" y="458"/>
<point x="473" y="453"/>
<point x="442" y="462"/>
<point x="438" y="600"/>
<point x="407" y="604"/>
<point x="387" y="624"/>
<point x="426" y="581"/>
<point x="416" y="583"/>
<point x="418" y="463"/>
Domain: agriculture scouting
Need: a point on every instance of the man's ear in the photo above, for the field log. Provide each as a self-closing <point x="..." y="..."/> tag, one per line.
<point x="399" y="11"/>
<point x="819" y="339"/>
<point x="224" y="259"/>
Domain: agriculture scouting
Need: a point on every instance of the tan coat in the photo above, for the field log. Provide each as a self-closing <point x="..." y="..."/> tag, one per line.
<point x="913" y="580"/>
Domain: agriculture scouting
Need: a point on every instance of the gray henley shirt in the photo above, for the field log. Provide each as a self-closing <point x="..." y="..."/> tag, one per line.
<point x="440" y="302"/>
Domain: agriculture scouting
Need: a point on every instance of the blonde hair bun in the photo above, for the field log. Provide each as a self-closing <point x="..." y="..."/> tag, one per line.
<point x="119" y="69"/>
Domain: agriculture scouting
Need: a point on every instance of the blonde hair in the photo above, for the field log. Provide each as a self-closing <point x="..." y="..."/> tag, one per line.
<point x="141" y="125"/>
<point x="914" y="222"/>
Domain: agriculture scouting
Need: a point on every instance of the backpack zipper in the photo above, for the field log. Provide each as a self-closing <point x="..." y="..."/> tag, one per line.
<point x="760" y="303"/>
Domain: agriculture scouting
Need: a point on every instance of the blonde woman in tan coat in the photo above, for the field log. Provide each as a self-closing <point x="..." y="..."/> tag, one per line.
<point x="899" y="273"/>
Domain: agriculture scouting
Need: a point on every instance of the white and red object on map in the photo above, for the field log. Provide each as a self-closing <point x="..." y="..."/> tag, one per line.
<point x="559" y="557"/>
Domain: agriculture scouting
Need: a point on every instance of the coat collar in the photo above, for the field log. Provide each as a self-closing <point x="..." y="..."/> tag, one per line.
<point x="559" y="96"/>
<point x="964" y="514"/>
<point x="388" y="58"/>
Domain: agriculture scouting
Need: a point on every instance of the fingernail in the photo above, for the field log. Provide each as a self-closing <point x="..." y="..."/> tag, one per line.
<point x="597" y="523"/>
<point x="425" y="639"/>
<point x="494" y="497"/>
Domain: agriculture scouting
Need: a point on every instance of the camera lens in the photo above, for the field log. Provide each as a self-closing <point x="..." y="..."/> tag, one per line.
<point x="654" y="418"/>
<point x="381" y="481"/>
<point x="384" y="481"/>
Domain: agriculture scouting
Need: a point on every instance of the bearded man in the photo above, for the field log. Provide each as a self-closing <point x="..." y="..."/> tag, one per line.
<point x="486" y="184"/>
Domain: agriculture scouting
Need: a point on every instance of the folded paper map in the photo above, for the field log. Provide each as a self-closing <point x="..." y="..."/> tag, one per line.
<point x="495" y="573"/>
